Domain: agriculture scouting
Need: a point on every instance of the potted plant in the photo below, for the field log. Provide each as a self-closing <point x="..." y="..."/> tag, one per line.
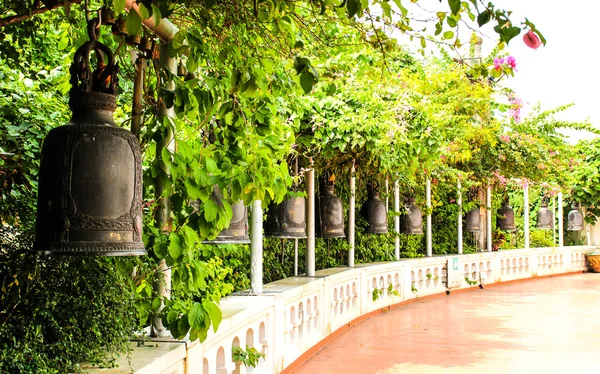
<point x="593" y="260"/>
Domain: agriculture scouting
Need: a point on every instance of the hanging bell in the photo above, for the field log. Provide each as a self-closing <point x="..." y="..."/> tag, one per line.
<point x="329" y="222"/>
<point x="413" y="220"/>
<point x="90" y="177"/>
<point x="545" y="217"/>
<point x="237" y="232"/>
<point x="505" y="220"/>
<point x="374" y="211"/>
<point x="473" y="220"/>
<point x="575" y="218"/>
<point x="287" y="220"/>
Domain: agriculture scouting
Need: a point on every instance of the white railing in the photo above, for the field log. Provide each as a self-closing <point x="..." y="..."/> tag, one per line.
<point x="295" y="314"/>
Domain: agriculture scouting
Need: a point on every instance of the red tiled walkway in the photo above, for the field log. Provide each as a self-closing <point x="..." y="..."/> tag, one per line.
<point x="548" y="325"/>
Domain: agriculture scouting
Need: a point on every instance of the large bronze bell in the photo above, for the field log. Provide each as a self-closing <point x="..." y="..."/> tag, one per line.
<point x="505" y="220"/>
<point x="329" y="220"/>
<point x="413" y="220"/>
<point x="473" y="220"/>
<point x="545" y="217"/>
<point x="575" y="218"/>
<point x="374" y="211"/>
<point x="90" y="178"/>
<point x="287" y="220"/>
<point x="237" y="232"/>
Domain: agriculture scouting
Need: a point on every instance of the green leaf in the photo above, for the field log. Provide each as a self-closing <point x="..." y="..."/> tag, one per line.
<point x="144" y="12"/>
<point x="352" y="6"/>
<point x="196" y="316"/>
<point x="306" y="81"/>
<point x="119" y="6"/>
<point x="175" y="245"/>
<point x="134" y="23"/>
<point x="449" y="34"/>
<point x="156" y="303"/>
<point x="211" y="209"/>
<point x="484" y="18"/>
<point x="157" y="16"/>
<point x="454" y="6"/>
<point x="214" y="313"/>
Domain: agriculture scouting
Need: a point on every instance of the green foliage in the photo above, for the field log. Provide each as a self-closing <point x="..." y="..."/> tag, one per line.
<point x="249" y="357"/>
<point x="56" y="312"/>
<point x="376" y="294"/>
<point x="586" y="189"/>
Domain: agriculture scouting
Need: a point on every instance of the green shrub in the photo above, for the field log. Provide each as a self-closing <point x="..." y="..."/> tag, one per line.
<point x="58" y="311"/>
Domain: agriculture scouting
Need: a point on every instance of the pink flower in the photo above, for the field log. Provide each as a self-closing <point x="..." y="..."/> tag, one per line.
<point x="501" y="157"/>
<point x="505" y="138"/>
<point x="498" y="62"/>
<point x="532" y="40"/>
<point x="452" y="200"/>
<point x="512" y="62"/>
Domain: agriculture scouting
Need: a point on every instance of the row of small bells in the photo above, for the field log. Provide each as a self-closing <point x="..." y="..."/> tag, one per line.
<point x="505" y="220"/>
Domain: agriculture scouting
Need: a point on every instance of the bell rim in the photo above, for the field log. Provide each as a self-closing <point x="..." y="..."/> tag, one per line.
<point x="79" y="248"/>
<point x="285" y="236"/>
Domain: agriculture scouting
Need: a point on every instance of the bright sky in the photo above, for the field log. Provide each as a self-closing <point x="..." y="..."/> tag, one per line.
<point x="564" y="71"/>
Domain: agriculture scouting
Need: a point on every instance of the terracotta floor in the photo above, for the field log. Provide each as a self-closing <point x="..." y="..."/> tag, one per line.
<point x="548" y="325"/>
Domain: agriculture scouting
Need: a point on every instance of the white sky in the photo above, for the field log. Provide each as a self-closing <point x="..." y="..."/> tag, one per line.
<point x="564" y="71"/>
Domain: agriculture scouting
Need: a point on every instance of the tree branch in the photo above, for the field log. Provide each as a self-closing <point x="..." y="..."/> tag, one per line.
<point x="7" y="21"/>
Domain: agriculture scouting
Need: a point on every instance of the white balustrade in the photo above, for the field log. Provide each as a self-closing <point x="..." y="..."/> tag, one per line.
<point x="295" y="314"/>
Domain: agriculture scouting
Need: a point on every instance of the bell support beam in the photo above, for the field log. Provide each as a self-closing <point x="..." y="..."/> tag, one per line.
<point x="397" y="220"/>
<point x="459" y="243"/>
<point x="256" y="253"/>
<point x="488" y="216"/>
<point x="165" y="29"/>
<point x="428" y="232"/>
<point x="526" y="213"/>
<point x="310" y="221"/>
<point x="351" y="215"/>
<point x="561" y="234"/>
<point x="162" y="285"/>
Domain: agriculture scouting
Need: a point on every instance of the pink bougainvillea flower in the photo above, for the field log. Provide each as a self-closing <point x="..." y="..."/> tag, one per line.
<point x="505" y="138"/>
<point x="512" y="62"/>
<point x="532" y="40"/>
<point x="498" y="62"/>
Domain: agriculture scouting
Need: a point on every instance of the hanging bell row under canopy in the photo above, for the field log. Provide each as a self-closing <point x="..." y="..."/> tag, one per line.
<point x="575" y="218"/>
<point x="505" y="219"/>
<point x="237" y="231"/>
<point x="374" y="211"/>
<point x="90" y="177"/>
<point x="412" y="221"/>
<point x="545" y="217"/>
<point x="287" y="220"/>
<point x="329" y="220"/>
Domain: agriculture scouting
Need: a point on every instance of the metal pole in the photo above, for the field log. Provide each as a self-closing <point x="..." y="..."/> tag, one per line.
<point x="488" y="216"/>
<point x="460" y="217"/>
<point x="526" y="213"/>
<point x="387" y="195"/>
<point x="256" y="254"/>
<point x="560" y="220"/>
<point x="351" y="215"/>
<point x="553" y="221"/>
<point x="162" y="284"/>
<point x="138" y="90"/>
<point x="397" y="220"/>
<point x="310" y="222"/>
<point x="428" y="234"/>
<point x="296" y="240"/>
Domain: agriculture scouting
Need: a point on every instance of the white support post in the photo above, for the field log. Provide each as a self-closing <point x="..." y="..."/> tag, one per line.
<point x="387" y="195"/>
<point x="310" y="222"/>
<point x="460" y="218"/>
<point x="397" y="220"/>
<point x="560" y="220"/>
<point x="295" y="257"/>
<point x="488" y="216"/>
<point x="526" y="214"/>
<point x="428" y="233"/>
<point x="553" y="221"/>
<point x="256" y="254"/>
<point x="351" y="215"/>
